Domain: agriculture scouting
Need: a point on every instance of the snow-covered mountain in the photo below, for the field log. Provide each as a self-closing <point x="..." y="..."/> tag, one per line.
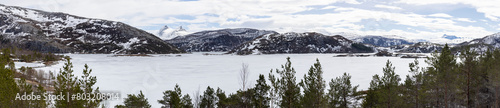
<point x="347" y="35"/>
<point x="420" y="47"/>
<point x="300" y="43"/>
<point x="482" y="44"/>
<point x="167" y="33"/>
<point x="382" y="41"/>
<point x="216" y="40"/>
<point x="59" y="32"/>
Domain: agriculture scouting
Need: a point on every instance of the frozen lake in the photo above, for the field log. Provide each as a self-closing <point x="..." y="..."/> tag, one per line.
<point x="154" y="75"/>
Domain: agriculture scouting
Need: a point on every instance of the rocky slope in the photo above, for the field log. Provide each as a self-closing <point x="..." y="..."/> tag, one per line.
<point x="300" y="43"/>
<point x="420" y="47"/>
<point x="381" y="41"/>
<point x="216" y="40"/>
<point x="59" y="33"/>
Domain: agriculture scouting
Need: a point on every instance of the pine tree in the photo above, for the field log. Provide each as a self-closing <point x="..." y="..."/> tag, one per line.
<point x="67" y="84"/>
<point x="87" y="83"/>
<point x="8" y="86"/>
<point x="341" y="93"/>
<point x="490" y="65"/>
<point x="221" y="96"/>
<point x="384" y="91"/>
<point x="285" y="84"/>
<point x="186" y="101"/>
<point x="314" y="87"/>
<point x="40" y="103"/>
<point x="415" y="86"/>
<point x="135" y="101"/>
<point x="489" y="79"/>
<point x="471" y="79"/>
<point x="443" y="77"/>
<point x="261" y="99"/>
<point x="172" y="99"/>
<point x="208" y="100"/>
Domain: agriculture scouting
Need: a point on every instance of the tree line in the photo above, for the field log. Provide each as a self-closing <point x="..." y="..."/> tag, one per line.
<point x="462" y="79"/>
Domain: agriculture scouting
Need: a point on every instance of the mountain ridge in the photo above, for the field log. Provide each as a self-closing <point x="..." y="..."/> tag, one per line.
<point x="291" y="42"/>
<point x="58" y="32"/>
<point x="216" y="40"/>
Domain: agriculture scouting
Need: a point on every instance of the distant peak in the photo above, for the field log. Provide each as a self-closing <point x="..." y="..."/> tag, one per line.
<point x="450" y="37"/>
<point x="181" y="29"/>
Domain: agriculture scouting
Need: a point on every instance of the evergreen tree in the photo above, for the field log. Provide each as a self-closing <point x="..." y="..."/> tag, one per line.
<point x="221" y="96"/>
<point x="66" y="84"/>
<point x="489" y="64"/>
<point x="260" y="99"/>
<point x="384" y="91"/>
<point x="135" y="101"/>
<point x="471" y="79"/>
<point x="208" y="100"/>
<point x="40" y="103"/>
<point x="443" y="77"/>
<point x="489" y="80"/>
<point x="242" y="99"/>
<point x="8" y="86"/>
<point x="285" y="84"/>
<point x="87" y="83"/>
<point x="172" y="99"/>
<point x="415" y="89"/>
<point x="341" y="93"/>
<point x="186" y="101"/>
<point x="314" y="87"/>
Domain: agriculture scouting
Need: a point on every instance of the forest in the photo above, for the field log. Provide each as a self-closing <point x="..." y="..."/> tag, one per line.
<point x="452" y="79"/>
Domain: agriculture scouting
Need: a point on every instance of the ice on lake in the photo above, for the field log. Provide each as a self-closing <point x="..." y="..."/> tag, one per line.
<point x="154" y="75"/>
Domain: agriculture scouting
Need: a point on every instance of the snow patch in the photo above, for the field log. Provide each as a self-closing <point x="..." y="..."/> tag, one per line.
<point x="128" y="44"/>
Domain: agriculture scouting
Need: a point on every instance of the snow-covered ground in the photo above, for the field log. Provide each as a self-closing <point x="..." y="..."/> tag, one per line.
<point x="33" y="64"/>
<point x="154" y="75"/>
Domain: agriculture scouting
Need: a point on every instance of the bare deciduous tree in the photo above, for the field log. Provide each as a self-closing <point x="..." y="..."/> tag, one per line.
<point x="197" y="98"/>
<point x="244" y="75"/>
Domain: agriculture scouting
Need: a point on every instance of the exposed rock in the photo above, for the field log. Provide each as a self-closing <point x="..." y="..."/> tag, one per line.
<point x="300" y="43"/>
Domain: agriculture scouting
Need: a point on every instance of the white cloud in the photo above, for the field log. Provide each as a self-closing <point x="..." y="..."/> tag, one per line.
<point x="388" y="7"/>
<point x="329" y="7"/>
<point x="279" y="16"/>
<point x="443" y="15"/>
<point x="464" y="20"/>
<point x="488" y="7"/>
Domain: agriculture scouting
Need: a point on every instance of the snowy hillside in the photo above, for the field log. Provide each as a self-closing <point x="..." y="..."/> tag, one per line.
<point x="167" y="33"/>
<point x="381" y="41"/>
<point x="59" y="32"/>
<point x="216" y="40"/>
<point x="483" y="44"/>
<point x="420" y="47"/>
<point x="300" y="43"/>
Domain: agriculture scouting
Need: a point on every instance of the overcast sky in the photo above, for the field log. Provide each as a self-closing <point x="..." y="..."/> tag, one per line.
<point x="408" y="18"/>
